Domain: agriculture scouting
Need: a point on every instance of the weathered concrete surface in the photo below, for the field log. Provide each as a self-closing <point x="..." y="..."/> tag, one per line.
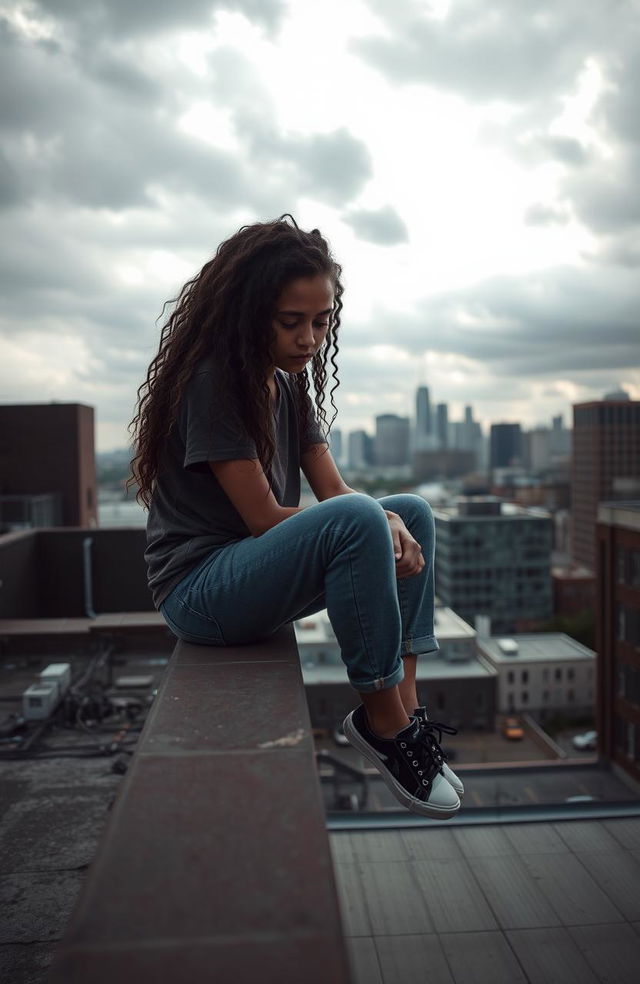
<point x="52" y="813"/>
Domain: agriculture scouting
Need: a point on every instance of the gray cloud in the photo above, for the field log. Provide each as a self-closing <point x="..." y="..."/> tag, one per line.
<point x="604" y="194"/>
<point x="622" y="250"/>
<point x="541" y="214"/>
<point x="507" y="50"/>
<point x="556" y="321"/>
<point x="531" y="55"/>
<point x="125" y="18"/>
<point x="82" y="139"/>
<point x="564" y="149"/>
<point x="382" y="226"/>
<point x="333" y="165"/>
<point x="100" y="142"/>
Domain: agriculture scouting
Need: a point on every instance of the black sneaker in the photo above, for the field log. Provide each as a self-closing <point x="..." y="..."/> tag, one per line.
<point x="407" y="765"/>
<point x="431" y="727"/>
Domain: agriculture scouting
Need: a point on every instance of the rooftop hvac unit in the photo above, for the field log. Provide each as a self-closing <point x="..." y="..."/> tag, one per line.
<point x="508" y="646"/>
<point x="38" y="700"/>
<point x="58" y="673"/>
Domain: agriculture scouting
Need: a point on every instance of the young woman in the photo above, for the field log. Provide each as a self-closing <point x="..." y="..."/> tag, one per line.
<point x="224" y="423"/>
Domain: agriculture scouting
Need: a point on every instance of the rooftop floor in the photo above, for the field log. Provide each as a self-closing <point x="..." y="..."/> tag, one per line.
<point x="529" y="903"/>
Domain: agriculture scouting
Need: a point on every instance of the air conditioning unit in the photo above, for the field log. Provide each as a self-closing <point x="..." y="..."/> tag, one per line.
<point x="38" y="700"/>
<point x="508" y="646"/>
<point x="58" y="673"/>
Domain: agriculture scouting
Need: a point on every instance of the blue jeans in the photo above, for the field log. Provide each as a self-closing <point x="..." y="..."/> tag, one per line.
<point x="336" y="554"/>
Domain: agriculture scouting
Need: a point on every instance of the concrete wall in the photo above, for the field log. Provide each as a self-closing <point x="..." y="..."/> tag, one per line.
<point x="117" y="567"/>
<point x="42" y="573"/>
<point x="18" y="575"/>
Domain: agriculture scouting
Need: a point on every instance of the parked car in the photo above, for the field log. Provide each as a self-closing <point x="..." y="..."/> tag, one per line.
<point x="586" y="742"/>
<point x="512" y="729"/>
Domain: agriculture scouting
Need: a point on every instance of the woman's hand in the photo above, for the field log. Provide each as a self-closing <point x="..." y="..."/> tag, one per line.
<point x="407" y="551"/>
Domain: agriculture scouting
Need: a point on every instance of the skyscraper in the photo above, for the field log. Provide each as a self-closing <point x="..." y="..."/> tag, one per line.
<point x="423" y="411"/>
<point x="335" y="444"/>
<point x="359" y="449"/>
<point x="392" y="440"/>
<point x="560" y="438"/>
<point x="442" y="425"/>
<point x="506" y="445"/>
<point x="605" y="466"/>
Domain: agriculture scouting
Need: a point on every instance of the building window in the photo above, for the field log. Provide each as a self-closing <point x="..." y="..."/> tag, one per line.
<point x="570" y="673"/>
<point x="480" y="701"/>
<point x="524" y="677"/>
<point x="620" y="623"/>
<point x="510" y="701"/>
<point x="570" y="696"/>
<point x="545" y="674"/>
<point x="525" y="696"/>
<point x="558" y="673"/>
<point x="440" y="701"/>
<point x="545" y="696"/>
<point x="89" y="498"/>
<point x="510" y="676"/>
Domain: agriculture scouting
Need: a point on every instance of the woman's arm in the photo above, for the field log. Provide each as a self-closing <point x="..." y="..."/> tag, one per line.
<point x="322" y="473"/>
<point x="323" y="476"/>
<point x="246" y="485"/>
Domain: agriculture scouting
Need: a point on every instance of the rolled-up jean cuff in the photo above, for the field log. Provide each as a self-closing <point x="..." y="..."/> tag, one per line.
<point x="381" y="683"/>
<point x="420" y="646"/>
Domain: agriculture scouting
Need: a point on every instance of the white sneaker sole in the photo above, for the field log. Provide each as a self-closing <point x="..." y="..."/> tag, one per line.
<point x="412" y="804"/>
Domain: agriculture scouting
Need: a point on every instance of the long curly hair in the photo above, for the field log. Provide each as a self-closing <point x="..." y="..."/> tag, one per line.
<point x="226" y="311"/>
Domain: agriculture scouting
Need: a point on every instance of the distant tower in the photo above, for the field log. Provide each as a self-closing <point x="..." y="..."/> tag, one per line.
<point x="506" y="445"/>
<point x="423" y="411"/>
<point x="468" y="430"/>
<point x="442" y="425"/>
<point x="335" y="444"/>
<point x="392" y="440"/>
<point x="359" y="449"/>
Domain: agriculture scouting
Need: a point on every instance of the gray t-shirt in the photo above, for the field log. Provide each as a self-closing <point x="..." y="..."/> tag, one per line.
<point x="190" y="515"/>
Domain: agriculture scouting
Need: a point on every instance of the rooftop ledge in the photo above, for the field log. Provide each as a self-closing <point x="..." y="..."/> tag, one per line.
<point x="215" y="862"/>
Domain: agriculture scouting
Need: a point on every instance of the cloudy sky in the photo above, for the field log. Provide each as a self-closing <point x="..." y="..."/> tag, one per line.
<point x="474" y="164"/>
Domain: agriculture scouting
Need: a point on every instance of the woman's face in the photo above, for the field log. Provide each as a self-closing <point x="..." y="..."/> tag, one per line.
<point x="301" y="321"/>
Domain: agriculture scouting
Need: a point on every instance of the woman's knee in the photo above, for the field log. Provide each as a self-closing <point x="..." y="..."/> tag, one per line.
<point x="354" y="512"/>
<point x="353" y="505"/>
<point x="410" y="507"/>
<point x="407" y="501"/>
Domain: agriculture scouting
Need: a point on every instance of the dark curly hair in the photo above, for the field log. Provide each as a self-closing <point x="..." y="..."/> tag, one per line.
<point x="226" y="311"/>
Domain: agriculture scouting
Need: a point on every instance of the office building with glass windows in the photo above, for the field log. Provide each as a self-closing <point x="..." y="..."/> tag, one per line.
<point x="494" y="558"/>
